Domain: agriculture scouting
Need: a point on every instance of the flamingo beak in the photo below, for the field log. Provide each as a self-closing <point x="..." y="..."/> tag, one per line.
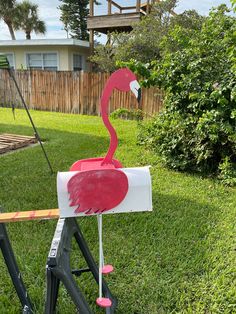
<point x="136" y="89"/>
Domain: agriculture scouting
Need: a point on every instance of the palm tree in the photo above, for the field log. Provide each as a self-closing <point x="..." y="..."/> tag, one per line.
<point x="27" y="19"/>
<point x="7" y="12"/>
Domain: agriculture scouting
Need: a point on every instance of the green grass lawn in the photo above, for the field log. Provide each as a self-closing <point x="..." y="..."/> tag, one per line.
<point x="180" y="258"/>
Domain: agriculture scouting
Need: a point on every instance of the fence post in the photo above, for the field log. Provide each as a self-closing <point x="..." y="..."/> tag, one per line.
<point x="138" y="5"/>
<point x="148" y="6"/>
<point x="109" y="7"/>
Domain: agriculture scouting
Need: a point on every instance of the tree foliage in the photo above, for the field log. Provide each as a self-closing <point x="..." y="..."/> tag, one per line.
<point x="145" y="42"/>
<point x="74" y="17"/>
<point x="7" y="11"/>
<point x="21" y="16"/>
<point x="26" y="18"/>
<point x="197" y="128"/>
<point x="234" y="4"/>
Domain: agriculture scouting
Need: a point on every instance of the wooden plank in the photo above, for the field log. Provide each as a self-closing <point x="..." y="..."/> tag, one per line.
<point x="29" y="215"/>
<point x="115" y="4"/>
<point x="128" y="8"/>
<point x="4" y="141"/>
<point x="9" y="142"/>
<point x="113" y="21"/>
<point x="4" y="145"/>
<point x="13" y="139"/>
<point x="16" y="138"/>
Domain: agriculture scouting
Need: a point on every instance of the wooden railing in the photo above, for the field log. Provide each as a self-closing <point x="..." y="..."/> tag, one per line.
<point x="71" y="92"/>
<point x="139" y="7"/>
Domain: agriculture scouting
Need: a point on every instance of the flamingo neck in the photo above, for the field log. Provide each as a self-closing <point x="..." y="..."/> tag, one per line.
<point x="104" y="113"/>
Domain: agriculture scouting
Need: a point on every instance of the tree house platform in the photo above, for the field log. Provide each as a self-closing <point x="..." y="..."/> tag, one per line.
<point x="118" y="18"/>
<point x="121" y="22"/>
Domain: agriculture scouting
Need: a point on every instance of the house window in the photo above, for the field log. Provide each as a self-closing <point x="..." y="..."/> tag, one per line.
<point x="77" y="62"/>
<point x="10" y="58"/>
<point x="42" y="61"/>
<point x="50" y="61"/>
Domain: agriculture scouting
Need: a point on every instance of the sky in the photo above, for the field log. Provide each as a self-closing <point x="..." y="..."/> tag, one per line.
<point x="50" y="14"/>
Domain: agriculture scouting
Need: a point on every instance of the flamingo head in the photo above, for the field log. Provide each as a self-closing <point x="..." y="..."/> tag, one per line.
<point x="125" y="80"/>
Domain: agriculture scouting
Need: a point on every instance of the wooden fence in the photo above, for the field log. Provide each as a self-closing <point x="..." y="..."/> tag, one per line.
<point x="71" y="92"/>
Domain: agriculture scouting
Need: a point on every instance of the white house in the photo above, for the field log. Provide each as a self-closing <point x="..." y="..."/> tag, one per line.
<point x="47" y="54"/>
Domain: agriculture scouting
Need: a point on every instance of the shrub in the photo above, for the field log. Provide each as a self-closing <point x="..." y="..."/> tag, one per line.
<point x="227" y="172"/>
<point x="197" y="128"/>
<point x="127" y="114"/>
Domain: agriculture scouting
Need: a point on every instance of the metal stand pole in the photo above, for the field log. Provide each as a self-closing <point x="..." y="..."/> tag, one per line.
<point x="30" y="118"/>
<point x="58" y="268"/>
<point x="13" y="270"/>
<point x="100" y="254"/>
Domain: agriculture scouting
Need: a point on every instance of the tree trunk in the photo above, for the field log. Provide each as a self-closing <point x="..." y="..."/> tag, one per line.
<point x="28" y="36"/>
<point x="9" y="25"/>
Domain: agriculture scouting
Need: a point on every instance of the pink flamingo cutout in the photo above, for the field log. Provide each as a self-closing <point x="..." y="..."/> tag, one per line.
<point x="99" y="185"/>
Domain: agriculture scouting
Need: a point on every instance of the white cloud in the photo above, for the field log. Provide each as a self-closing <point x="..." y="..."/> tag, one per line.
<point x="201" y="7"/>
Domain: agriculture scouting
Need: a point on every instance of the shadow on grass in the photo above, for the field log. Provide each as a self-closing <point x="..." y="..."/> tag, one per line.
<point x="25" y="184"/>
<point x="25" y="180"/>
<point x="64" y="142"/>
<point x="163" y="257"/>
<point x="163" y="260"/>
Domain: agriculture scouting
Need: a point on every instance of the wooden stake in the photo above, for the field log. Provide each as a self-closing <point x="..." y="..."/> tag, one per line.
<point x="30" y="215"/>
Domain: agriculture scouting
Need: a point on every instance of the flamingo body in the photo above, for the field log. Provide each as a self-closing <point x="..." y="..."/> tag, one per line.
<point x="94" y="163"/>
<point x="97" y="191"/>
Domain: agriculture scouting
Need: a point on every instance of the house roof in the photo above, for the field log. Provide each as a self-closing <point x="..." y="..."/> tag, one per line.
<point x="44" y="42"/>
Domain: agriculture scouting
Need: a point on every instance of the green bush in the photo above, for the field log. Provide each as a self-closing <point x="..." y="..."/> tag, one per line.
<point x="127" y="114"/>
<point x="227" y="172"/>
<point x="196" y="131"/>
